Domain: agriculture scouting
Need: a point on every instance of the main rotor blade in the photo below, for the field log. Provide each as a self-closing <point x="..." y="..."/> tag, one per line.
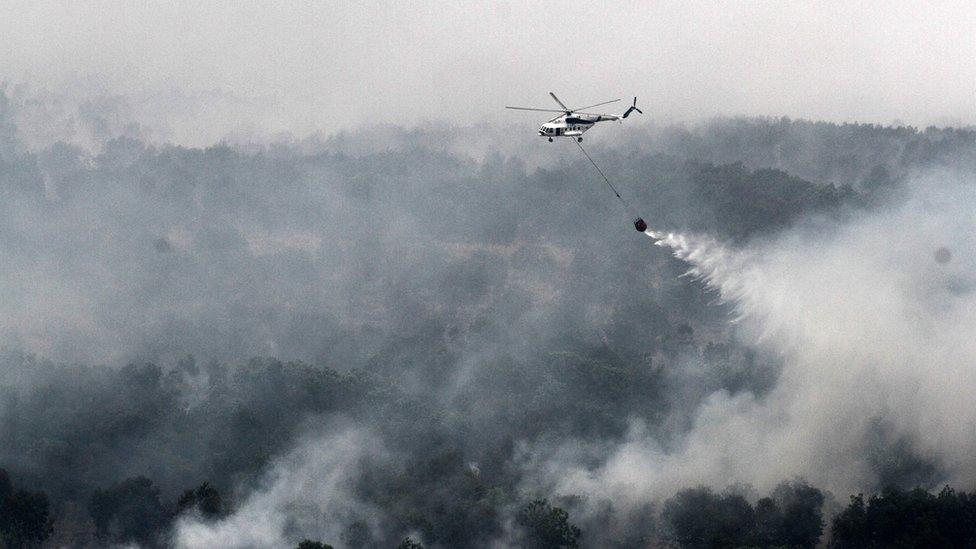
<point x="531" y="109"/>
<point x="597" y="105"/>
<point x="565" y="108"/>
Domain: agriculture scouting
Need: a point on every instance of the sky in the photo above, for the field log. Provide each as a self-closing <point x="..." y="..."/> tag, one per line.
<point x="307" y="66"/>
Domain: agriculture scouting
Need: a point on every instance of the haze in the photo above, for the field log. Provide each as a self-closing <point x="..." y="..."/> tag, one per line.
<point x="302" y="67"/>
<point x="288" y="275"/>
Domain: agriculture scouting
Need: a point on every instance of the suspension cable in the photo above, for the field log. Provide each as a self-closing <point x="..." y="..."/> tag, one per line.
<point x="605" y="178"/>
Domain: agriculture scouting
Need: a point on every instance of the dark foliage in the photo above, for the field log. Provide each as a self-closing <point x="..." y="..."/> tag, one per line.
<point x="800" y="512"/>
<point x="822" y="152"/>
<point x="701" y="518"/>
<point x="440" y="496"/>
<point x="25" y="519"/>
<point x="544" y="526"/>
<point x="204" y="498"/>
<point x="309" y="544"/>
<point x="457" y="307"/>
<point x="907" y="518"/>
<point x="747" y="202"/>
<point x="128" y="512"/>
<point x="791" y="517"/>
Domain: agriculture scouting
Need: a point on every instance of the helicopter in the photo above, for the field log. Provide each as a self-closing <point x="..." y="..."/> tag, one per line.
<point x="574" y="122"/>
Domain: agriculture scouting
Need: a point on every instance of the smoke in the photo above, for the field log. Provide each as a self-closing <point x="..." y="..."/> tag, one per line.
<point x="307" y="493"/>
<point x="503" y="311"/>
<point x="873" y="324"/>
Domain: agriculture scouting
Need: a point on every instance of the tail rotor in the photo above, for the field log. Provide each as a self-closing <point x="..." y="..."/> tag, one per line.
<point x="632" y="108"/>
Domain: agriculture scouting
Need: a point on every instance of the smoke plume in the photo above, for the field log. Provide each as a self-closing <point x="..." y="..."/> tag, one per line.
<point x="873" y="326"/>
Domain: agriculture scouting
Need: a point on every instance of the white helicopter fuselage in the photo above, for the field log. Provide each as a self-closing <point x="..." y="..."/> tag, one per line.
<point x="574" y="122"/>
<point x="573" y="125"/>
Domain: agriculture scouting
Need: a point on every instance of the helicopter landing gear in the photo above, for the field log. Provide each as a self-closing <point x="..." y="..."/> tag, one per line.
<point x="550" y="140"/>
<point x="579" y="139"/>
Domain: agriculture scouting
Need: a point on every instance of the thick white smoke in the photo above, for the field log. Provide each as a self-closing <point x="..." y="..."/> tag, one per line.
<point x="307" y="494"/>
<point x="875" y="321"/>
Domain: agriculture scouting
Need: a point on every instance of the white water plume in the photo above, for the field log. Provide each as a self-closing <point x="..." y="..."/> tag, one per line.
<point x="879" y="358"/>
<point x="711" y="261"/>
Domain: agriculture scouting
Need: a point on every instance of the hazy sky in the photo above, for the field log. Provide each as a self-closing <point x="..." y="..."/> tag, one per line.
<point x="324" y="65"/>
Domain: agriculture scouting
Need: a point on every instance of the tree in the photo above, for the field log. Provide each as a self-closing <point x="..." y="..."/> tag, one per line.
<point x="850" y="528"/>
<point x="802" y="519"/>
<point x="769" y="522"/>
<point x="791" y="517"/>
<point x="24" y="516"/>
<point x="700" y="518"/>
<point x="546" y="527"/>
<point x="912" y="518"/>
<point x="409" y="543"/>
<point x="204" y="498"/>
<point x="309" y="544"/>
<point x="129" y="511"/>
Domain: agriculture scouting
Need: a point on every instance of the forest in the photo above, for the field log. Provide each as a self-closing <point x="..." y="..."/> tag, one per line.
<point x="318" y="344"/>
